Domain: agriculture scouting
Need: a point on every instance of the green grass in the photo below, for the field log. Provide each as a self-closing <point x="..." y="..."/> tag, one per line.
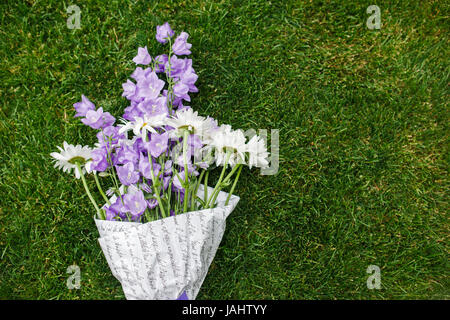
<point x="363" y="118"/>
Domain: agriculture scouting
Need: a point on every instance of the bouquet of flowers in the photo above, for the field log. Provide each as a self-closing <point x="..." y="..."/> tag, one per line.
<point x="160" y="224"/>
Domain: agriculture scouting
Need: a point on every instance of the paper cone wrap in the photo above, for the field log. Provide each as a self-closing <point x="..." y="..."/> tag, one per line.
<point x="166" y="258"/>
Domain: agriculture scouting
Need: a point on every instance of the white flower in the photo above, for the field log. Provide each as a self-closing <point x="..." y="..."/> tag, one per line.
<point x="257" y="152"/>
<point x="68" y="158"/>
<point x="142" y="125"/>
<point x="212" y="126"/>
<point x="227" y="142"/>
<point x="187" y="119"/>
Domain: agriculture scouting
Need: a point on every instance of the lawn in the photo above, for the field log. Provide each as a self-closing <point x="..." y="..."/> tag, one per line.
<point x="363" y="128"/>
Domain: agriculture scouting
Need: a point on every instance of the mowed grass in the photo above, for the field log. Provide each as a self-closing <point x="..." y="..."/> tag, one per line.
<point x="363" y="122"/>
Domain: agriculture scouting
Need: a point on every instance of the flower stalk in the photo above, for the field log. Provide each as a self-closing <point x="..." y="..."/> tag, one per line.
<point x="186" y="170"/>
<point x="86" y="188"/>
<point x="101" y="190"/>
<point x="219" y="183"/>
<point x="234" y="184"/>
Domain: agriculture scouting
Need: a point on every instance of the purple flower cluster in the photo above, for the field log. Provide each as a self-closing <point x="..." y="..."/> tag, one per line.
<point x="157" y="154"/>
<point x="142" y="169"/>
<point x="141" y="164"/>
<point x="147" y="87"/>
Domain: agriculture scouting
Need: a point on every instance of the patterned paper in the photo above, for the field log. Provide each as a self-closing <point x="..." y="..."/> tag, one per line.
<point x="167" y="258"/>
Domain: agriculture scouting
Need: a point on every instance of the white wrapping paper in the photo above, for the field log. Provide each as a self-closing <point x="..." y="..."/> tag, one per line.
<point x="167" y="258"/>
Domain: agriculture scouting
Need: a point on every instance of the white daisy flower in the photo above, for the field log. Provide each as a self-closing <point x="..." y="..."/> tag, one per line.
<point x="68" y="158"/>
<point x="187" y="119"/>
<point x="227" y="141"/>
<point x="257" y="152"/>
<point x="142" y="125"/>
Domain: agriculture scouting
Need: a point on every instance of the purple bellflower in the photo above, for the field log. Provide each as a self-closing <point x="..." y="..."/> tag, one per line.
<point x="158" y="144"/>
<point x="129" y="90"/>
<point x="146" y="169"/>
<point x="127" y="154"/>
<point x="127" y="174"/>
<point x="189" y="77"/>
<point x="153" y="107"/>
<point x="150" y="86"/>
<point x="142" y="57"/>
<point x="98" y="119"/>
<point x="83" y="107"/>
<point x="160" y="62"/>
<point x="99" y="159"/>
<point x="181" y="91"/>
<point x="181" y="46"/>
<point x="135" y="203"/>
<point x="163" y="32"/>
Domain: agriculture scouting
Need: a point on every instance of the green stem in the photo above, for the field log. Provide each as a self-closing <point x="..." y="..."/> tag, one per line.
<point x="228" y="177"/>
<point x="186" y="171"/>
<point x="196" y="188"/>
<point x="202" y="174"/>
<point x="113" y="175"/>
<point x="234" y="183"/>
<point x="205" y="185"/>
<point x="177" y="203"/>
<point x="169" y="188"/>
<point x="225" y="182"/>
<point x="156" y="187"/>
<point x="169" y="79"/>
<point x="147" y="215"/>
<point x="214" y="197"/>
<point x="87" y="190"/>
<point x="199" y="181"/>
<point x="216" y="188"/>
<point x="101" y="190"/>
